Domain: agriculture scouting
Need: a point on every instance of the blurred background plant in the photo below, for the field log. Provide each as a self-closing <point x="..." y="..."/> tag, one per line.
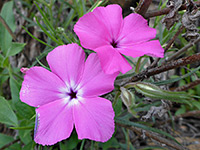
<point x="156" y="104"/>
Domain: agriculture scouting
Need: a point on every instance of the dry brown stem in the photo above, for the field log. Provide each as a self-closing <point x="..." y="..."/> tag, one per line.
<point x="166" y="11"/>
<point x="182" y="50"/>
<point x="169" y="44"/>
<point x="7" y="28"/>
<point x="143" y="7"/>
<point x="187" y="114"/>
<point x="188" y="86"/>
<point x="165" y="67"/>
<point x="153" y="136"/>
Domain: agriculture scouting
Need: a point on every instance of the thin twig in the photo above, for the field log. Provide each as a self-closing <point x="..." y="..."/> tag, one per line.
<point x="166" y="11"/>
<point x="188" y="86"/>
<point x="187" y="114"/>
<point x="153" y="136"/>
<point x="9" y="144"/>
<point x="7" y="28"/>
<point x="169" y="44"/>
<point x="143" y="7"/>
<point x="181" y="51"/>
<point x="165" y="67"/>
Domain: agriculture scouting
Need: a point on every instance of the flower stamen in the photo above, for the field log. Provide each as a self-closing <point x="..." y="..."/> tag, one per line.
<point x="114" y="44"/>
<point x="72" y="94"/>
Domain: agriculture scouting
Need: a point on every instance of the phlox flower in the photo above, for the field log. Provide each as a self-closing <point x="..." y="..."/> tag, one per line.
<point x="106" y="32"/>
<point x="68" y="96"/>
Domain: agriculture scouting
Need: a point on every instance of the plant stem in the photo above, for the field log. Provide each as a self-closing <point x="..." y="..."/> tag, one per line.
<point x="188" y="86"/>
<point x="165" y="67"/>
<point x="143" y="7"/>
<point x="82" y="144"/>
<point x="153" y="136"/>
<point x="166" y="11"/>
<point x="182" y="50"/>
<point x="8" y="28"/>
<point x="169" y="44"/>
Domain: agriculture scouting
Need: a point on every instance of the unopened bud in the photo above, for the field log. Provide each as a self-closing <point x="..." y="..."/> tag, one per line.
<point x="24" y="70"/>
<point x="60" y="30"/>
<point x="153" y="91"/>
<point x="129" y="100"/>
<point x="127" y="97"/>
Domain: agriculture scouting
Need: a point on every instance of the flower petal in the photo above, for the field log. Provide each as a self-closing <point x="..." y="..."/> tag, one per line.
<point x="40" y="86"/>
<point x="94" y="119"/>
<point x="151" y="48"/>
<point x="55" y="123"/>
<point x="94" y="81"/>
<point x="135" y="30"/>
<point x="100" y="27"/>
<point x="112" y="61"/>
<point x="111" y="16"/>
<point x="67" y="61"/>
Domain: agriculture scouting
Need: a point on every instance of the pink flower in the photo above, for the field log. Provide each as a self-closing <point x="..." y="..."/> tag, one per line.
<point x="106" y="32"/>
<point x="68" y="97"/>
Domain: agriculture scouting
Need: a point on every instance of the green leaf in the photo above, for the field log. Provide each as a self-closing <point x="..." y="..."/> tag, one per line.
<point x="15" y="48"/>
<point x="196" y="104"/>
<point x="181" y="110"/>
<point x="22" y="109"/>
<point x="96" y="4"/>
<point x="25" y="135"/>
<point x="22" y="128"/>
<point x="118" y="107"/>
<point x="7" y="116"/>
<point x="8" y="16"/>
<point x="1" y="60"/>
<point x="29" y="146"/>
<point x="70" y="143"/>
<point x="112" y="144"/>
<point x="5" y="139"/>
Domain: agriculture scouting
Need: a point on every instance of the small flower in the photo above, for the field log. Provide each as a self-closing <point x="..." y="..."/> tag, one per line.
<point x="105" y="31"/>
<point x="68" y="97"/>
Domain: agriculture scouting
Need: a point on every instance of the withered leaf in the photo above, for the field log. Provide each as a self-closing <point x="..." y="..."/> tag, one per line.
<point x="173" y="15"/>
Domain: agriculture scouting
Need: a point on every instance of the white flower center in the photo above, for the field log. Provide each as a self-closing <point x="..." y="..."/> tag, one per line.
<point x="71" y="94"/>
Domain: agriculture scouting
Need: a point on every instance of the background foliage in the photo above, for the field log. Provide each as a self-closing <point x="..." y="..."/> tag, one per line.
<point x="148" y="107"/>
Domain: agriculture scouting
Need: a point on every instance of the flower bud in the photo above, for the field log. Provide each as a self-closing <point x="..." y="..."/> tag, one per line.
<point x="60" y="30"/>
<point x="129" y="100"/>
<point x="24" y="70"/>
<point x="127" y="97"/>
<point x="153" y="91"/>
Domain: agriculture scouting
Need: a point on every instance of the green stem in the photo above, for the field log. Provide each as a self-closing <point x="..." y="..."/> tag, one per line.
<point x="137" y="68"/>
<point x="116" y="98"/>
<point x="82" y="144"/>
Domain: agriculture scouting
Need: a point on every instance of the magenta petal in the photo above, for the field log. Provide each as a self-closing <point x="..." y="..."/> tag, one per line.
<point x="91" y="31"/>
<point x="100" y="27"/>
<point x="55" y="123"/>
<point x="40" y="86"/>
<point x="111" y="16"/>
<point x="94" y="119"/>
<point x="112" y="61"/>
<point x="94" y="81"/>
<point x="67" y="61"/>
<point x="151" y="48"/>
<point x="135" y="30"/>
